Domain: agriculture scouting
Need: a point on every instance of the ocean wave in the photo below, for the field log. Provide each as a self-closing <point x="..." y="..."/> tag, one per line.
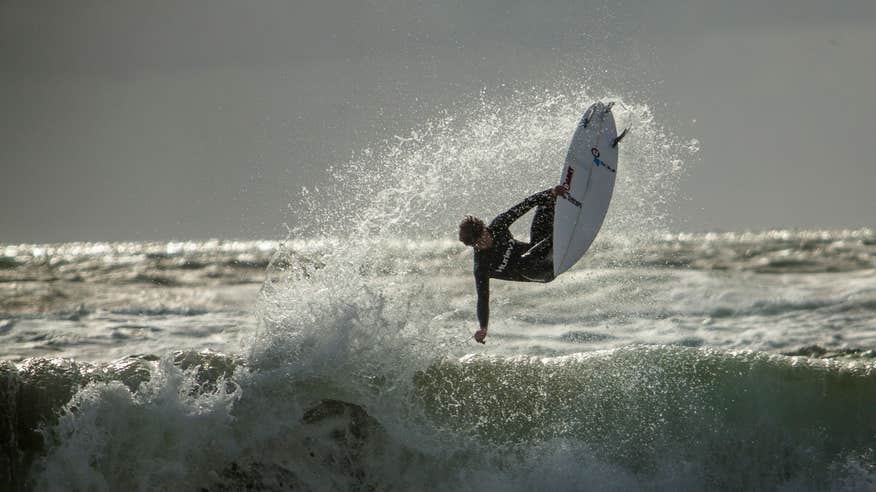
<point x="649" y="418"/>
<point x="776" y="251"/>
<point x="165" y="263"/>
<point x="817" y="351"/>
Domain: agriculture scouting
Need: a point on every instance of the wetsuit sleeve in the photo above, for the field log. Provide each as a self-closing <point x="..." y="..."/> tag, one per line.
<point x="482" y="285"/>
<point x="504" y="220"/>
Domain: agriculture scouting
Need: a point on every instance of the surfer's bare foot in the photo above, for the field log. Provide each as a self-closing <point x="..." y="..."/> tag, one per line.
<point x="480" y="335"/>
<point x="560" y="190"/>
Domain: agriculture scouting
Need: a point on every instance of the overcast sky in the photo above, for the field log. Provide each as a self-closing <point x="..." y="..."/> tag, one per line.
<point x="133" y="120"/>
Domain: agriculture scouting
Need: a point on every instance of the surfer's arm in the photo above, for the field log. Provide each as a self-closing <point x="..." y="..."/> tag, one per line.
<point x="482" y="285"/>
<point x="504" y="220"/>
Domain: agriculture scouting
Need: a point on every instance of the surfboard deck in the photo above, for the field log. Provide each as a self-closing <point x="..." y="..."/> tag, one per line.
<point x="588" y="176"/>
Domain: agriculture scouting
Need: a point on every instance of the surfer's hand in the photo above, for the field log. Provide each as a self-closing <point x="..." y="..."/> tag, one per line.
<point x="560" y="190"/>
<point x="480" y="335"/>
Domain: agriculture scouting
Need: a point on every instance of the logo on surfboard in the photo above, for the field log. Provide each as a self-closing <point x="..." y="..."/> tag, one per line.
<point x="599" y="162"/>
<point x="596" y="160"/>
<point x="567" y="183"/>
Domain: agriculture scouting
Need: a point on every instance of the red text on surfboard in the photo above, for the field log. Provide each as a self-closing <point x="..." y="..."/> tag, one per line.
<point x="567" y="182"/>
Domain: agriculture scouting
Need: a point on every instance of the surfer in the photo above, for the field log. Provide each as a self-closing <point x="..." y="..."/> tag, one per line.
<point x="498" y="255"/>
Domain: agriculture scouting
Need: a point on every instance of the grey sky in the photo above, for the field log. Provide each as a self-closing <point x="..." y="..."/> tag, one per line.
<point x="156" y="120"/>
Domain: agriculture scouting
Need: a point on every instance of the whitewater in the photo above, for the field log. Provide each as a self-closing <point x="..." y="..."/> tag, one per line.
<point x="340" y="358"/>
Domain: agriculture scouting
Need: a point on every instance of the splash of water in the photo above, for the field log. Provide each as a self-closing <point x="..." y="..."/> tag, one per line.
<point x="483" y="157"/>
<point x="479" y="158"/>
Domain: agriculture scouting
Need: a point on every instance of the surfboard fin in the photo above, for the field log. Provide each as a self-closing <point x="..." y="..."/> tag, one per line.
<point x="619" y="138"/>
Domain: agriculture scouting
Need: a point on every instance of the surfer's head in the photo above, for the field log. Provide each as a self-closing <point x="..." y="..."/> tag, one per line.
<point x="473" y="232"/>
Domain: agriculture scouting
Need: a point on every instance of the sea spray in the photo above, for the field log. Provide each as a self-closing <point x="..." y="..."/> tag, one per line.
<point x="481" y="157"/>
<point x="484" y="155"/>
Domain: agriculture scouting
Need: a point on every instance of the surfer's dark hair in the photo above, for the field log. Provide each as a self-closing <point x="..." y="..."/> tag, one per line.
<point x="470" y="230"/>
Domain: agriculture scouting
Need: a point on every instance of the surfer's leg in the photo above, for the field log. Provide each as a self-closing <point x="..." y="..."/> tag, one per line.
<point x="542" y="225"/>
<point x="537" y="263"/>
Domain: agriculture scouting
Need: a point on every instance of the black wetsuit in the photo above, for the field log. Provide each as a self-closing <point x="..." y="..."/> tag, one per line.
<point x="510" y="259"/>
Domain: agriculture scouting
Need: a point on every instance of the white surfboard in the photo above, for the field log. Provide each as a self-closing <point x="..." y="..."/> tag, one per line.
<point x="588" y="175"/>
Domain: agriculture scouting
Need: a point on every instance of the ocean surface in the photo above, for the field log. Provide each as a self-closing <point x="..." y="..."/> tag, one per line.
<point x="340" y="358"/>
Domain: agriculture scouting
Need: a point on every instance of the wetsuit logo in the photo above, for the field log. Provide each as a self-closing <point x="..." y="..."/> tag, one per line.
<point x="505" y="258"/>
